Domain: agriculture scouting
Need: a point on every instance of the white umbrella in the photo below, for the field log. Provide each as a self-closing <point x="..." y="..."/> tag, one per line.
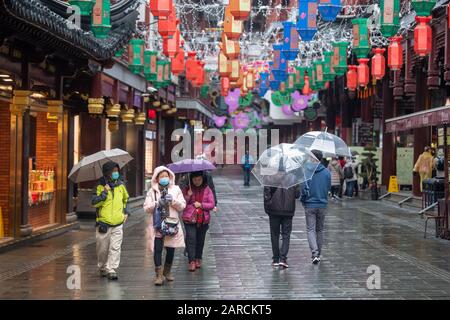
<point x="330" y="144"/>
<point x="90" y="167"/>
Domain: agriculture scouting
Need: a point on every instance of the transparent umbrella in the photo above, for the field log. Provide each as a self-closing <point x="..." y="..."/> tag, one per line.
<point x="330" y="144"/>
<point x="284" y="166"/>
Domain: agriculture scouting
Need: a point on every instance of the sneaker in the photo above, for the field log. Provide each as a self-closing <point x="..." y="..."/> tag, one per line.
<point x="315" y="260"/>
<point x="103" y="273"/>
<point x="284" y="264"/>
<point x="275" y="263"/>
<point x="112" y="276"/>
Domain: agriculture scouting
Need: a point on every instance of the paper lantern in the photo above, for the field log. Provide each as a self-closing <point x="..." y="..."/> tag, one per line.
<point x="191" y="66"/>
<point x="389" y="17"/>
<point x="136" y="56"/>
<point x="231" y="26"/>
<point x="167" y="26"/>
<point x="287" y="110"/>
<point x="423" y="7"/>
<point x="329" y="9"/>
<point x="423" y="36"/>
<point x="279" y="64"/>
<point x="250" y="79"/>
<point x="101" y="19"/>
<point x="318" y="74"/>
<point x="219" y="121"/>
<point x="290" y="85"/>
<point x="307" y="19"/>
<point x="147" y="65"/>
<point x="240" y="9"/>
<point x="223" y="64"/>
<point x="306" y="88"/>
<point x="85" y="6"/>
<point x="178" y="63"/>
<point x="161" y="8"/>
<point x="290" y="41"/>
<point x="167" y="73"/>
<point x="263" y="83"/>
<point x="171" y="45"/>
<point x="328" y="69"/>
<point x="378" y="64"/>
<point x="395" y="53"/>
<point x="224" y="86"/>
<point x="230" y="48"/>
<point x="352" y="78"/>
<point x="361" y="42"/>
<point x="299" y="102"/>
<point x="200" y="80"/>
<point x="159" y="81"/>
<point x="340" y="57"/>
<point x="363" y="72"/>
<point x="234" y="69"/>
<point x="240" y="121"/>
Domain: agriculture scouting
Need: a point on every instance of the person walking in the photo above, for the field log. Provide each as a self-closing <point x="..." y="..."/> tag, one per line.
<point x="439" y="164"/>
<point x="424" y="165"/>
<point x="196" y="217"/>
<point x="279" y="204"/>
<point x="164" y="203"/>
<point x="336" y="175"/>
<point x="342" y="164"/>
<point x="110" y="200"/>
<point x="351" y="179"/>
<point x="314" y="198"/>
<point x="247" y="161"/>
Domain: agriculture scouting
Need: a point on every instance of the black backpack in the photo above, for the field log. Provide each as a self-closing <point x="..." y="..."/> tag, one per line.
<point x="348" y="172"/>
<point x="440" y="164"/>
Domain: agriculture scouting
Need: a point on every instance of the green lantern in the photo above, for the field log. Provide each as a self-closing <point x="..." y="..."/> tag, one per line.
<point x="319" y="74"/>
<point x="361" y="41"/>
<point x="340" y="57"/>
<point x="159" y="81"/>
<point x="328" y="69"/>
<point x="150" y="59"/>
<point x="204" y="91"/>
<point x="119" y="53"/>
<point x="101" y="18"/>
<point x="246" y="100"/>
<point x="390" y="17"/>
<point x="290" y="85"/>
<point x="423" y="7"/>
<point x="300" y="77"/>
<point x="167" y="72"/>
<point x="85" y="6"/>
<point x="136" y="56"/>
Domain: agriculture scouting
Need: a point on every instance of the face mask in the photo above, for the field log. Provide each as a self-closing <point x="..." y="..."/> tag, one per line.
<point x="164" y="181"/>
<point x="115" y="175"/>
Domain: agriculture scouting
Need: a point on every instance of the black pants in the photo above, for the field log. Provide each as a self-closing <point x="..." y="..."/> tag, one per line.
<point x="157" y="254"/>
<point x="247" y="177"/>
<point x="335" y="190"/>
<point x="195" y="240"/>
<point x="284" y="224"/>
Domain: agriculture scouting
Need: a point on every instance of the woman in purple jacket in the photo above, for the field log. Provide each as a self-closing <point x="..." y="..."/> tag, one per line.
<point x="196" y="217"/>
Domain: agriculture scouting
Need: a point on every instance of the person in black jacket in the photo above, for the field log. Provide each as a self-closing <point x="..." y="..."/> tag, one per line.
<point x="279" y="204"/>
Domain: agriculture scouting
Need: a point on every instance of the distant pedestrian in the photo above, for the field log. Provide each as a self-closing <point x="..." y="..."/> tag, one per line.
<point x="336" y="175"/>
<point x="424" y="165"/>
<point x="110" y="200"/>
<point x="164" y="203"/>
<point x="247" y="161"/>
<point x="196" y="217"/>
<point x="439" y="164"/>
<point x="351" y="179"/>
<point x="342" y="164"/>
<point x="279" y="204"/>
<point x="314" y="197"/>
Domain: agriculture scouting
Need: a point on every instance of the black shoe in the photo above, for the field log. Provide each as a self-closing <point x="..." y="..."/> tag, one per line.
<point x="284" y="264"/>
<point x="315" y="260"/>
<point x="112" y="276"/>
<point x="275" y="263"/>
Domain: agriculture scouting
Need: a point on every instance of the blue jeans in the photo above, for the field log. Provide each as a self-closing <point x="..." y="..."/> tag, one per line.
<point x="350" y="188"/>
<point x="315" y="218"/>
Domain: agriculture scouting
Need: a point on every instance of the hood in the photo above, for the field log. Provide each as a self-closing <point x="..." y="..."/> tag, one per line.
<point x="319" y="168"/>
<point x="158" y="170"/>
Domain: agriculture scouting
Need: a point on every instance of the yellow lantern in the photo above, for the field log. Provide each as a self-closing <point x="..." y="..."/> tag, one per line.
<point x="113" y="111"/>
<point x="96" y="105"/>
<point x="140" y="119"/>
<point x="127" y="115"/>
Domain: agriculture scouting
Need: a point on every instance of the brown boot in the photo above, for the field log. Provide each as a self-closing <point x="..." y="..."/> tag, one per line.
<point x="159" y="279"/>
<point x="167" y="273"/>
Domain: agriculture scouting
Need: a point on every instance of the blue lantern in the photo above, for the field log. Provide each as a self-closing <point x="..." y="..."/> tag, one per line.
<point x="279" y="64"/>
<point x="329" y="9"/>
<point x="307" y="19"/>
<point x="263" y="83"/>
<point x="290" y="41"/>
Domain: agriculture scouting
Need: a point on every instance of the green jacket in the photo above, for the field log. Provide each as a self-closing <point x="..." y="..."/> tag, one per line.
<point x="112" y="205"/>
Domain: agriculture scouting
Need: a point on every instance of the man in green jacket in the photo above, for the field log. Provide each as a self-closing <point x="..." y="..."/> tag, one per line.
<point x="110" y="198"/>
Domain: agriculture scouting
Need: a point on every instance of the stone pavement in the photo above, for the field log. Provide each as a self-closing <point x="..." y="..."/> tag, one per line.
<point x="237" y="259"/>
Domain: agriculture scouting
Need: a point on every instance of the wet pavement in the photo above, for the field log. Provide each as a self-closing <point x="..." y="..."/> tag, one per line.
<point x="237" y="259"/>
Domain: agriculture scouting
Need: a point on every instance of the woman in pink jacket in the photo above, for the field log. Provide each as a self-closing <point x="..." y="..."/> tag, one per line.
<point x="196" y="217"/>
<point x="173" y="203"/>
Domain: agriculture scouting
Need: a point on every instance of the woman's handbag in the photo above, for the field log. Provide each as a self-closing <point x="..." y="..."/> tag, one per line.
<point x="169" y="226"/>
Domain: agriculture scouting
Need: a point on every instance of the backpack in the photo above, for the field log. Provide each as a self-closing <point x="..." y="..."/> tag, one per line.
<point x="440" y="164"/>
<point x="348" y="172"/>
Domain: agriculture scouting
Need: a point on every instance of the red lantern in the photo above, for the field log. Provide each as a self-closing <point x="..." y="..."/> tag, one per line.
<point x="363" y="72"/>
<point x="191" y="66"/>
<point x="167" y="26"/>
<point x="395" y="53"/>
<point x="161" y="8"/>
<point x="306" y="88"/>
<point x="378" y="64"/>
<point x="200" y="80"/>
<point x="178" y="62"/>
<point x="423" y="36"/>
<point x="224" y="86"/>
<point x="352" y="78"/>
<point x="240" y="9"/>
<point x="171" y="45"/>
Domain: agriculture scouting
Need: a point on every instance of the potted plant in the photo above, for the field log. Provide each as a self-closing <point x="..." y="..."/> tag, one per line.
<point x="370" y="170"/>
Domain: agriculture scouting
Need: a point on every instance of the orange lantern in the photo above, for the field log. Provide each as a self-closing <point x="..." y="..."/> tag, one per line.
<point x="234" y="70"/>
<point x="363" y="72"/>
<point x="167" y="26"/>
<point x="231" y="26"/>
<point x="395" y="53"/>
<point x="224" y="86"/>
<point x="230" y="48"/>
<point x="191" y="66"/>
<point x="223" y="64"/>
<point x="378" y="64"/>
<point x="423" y="36"/>
<point x="178" y="62"/>
<point x="352" y="78"/>
<point x="200" y="80"/>
<point x="240" y="9"/>
<point x="161" y="8"/>
<point x="306" y="88"/>
<point x="171" y="45"/>
<point x="250" y="79"/>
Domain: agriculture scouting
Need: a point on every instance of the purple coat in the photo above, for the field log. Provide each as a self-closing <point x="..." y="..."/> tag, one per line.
<point x="208" y="203"/>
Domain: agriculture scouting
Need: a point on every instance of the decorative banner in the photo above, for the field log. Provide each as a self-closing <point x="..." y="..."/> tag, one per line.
<point x="307" y="19"/>
<point x="390" y="17"/>
<point x="329" y="9"/>
<point x="101" y="19"/>
<point x="290" y="41"/>
<point x="361" y="41"/>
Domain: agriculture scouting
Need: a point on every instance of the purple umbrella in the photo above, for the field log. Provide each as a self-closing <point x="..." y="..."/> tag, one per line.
<point x="191" y="165"/>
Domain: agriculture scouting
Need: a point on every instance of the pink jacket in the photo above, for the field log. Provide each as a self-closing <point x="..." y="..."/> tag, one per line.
<point x="177" y="206"/>
<point x="207" y="202"/>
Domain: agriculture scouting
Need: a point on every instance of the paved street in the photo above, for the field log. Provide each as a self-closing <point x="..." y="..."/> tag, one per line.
<point x="237" y="260"/>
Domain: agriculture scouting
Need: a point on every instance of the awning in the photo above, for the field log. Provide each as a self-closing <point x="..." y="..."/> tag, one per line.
<point x="194" y="104"/>
<point x="426" y="118"/>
